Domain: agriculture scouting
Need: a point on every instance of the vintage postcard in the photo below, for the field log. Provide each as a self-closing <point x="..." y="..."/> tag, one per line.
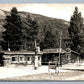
<point x="41" y="42"/>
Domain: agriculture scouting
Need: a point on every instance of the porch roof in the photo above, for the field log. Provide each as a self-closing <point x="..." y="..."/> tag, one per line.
<point x="20" y="52"/>
<point x="75" y="52"/>
<point x="56" y="50"/>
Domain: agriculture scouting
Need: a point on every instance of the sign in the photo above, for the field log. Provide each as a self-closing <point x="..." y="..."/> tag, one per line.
<point x="51" y="50"/>
<point x="68" y="50"/>
<point x="53" y="65"/>
<point x="57" y="50"/>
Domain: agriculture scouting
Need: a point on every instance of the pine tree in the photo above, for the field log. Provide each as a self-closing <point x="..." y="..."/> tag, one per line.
<point x="13" y="31"/>
<point x="50" y="40"/>
<point x="74" y="29"/>
<point x="33" y="30"/>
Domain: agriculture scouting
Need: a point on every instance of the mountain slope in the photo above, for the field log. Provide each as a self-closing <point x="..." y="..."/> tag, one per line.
<point x="45" y="23"/>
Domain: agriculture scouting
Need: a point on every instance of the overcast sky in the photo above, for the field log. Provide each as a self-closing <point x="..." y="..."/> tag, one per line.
<point x="61" y="11"/>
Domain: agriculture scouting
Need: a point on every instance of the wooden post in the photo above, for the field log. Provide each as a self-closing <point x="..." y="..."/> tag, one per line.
<point x="55" y="68"/>
<point x="78" y="58"/>
<point x="48" y="67"/>
<point x="25" y="59"/>
<point x="18" y="58"/>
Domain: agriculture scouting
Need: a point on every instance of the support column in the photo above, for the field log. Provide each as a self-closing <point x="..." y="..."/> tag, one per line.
<point x="78" y="60"/>
<point x="36" y="62"/>
<point x="26" y="60"/>
<point x="18" y="58"/>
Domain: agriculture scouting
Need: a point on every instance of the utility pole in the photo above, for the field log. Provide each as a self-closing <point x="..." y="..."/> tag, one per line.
<point x="36" y="57"/>
<point x="35" y="43"/>
<point x="8" y="46"/>
<point x="60" y="48"/>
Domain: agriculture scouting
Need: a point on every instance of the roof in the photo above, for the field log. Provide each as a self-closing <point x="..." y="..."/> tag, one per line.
<point x="68" y="50"/>
<point x="20" y="52"/>
<point x="56" y="50"/>
<point x="75" y="52"/>
<point x="45" y="51"/>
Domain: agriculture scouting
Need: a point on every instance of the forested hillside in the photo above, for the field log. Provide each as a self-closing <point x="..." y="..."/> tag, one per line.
<point x="47" y="25"/>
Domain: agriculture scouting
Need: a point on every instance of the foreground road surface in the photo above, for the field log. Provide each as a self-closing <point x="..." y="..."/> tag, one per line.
<point x="8" y="72"/>
<point x="63" y="76"/>
<point x="25" y="73"/>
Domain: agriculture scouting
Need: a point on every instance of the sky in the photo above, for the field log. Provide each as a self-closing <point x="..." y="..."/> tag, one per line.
<point x="41" y="1"/>
<point x="61" y="11"/>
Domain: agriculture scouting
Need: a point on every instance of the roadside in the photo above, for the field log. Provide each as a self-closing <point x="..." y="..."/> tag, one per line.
<point x="63" y="76"/>
<point x="25" y="73"/>
<point x="8" y="72"/>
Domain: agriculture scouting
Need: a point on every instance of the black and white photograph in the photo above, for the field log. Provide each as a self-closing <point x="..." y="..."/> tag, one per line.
<point x="42" y="42"/>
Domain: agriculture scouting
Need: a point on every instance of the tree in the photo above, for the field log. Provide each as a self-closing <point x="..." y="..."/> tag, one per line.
<point x="74" y="29"/>
<point x="33" y="30"/>
<point x="50" y="40"/>
<point x="13" y="31"/>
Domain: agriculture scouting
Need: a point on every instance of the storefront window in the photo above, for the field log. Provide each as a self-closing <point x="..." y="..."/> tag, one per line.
<point x="14" y="58"/>
<point x="28" y="58"/>
<point x="21" y="58"/>
<point x="38" y="58"/>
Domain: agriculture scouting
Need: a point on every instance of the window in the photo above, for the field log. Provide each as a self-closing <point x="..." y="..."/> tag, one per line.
<point x="38" y="58"/>
<point x="68" y="57"/>
<point x="28" y="58"/>
<point x="21" y="58"/>
<point x="14" y="58"/>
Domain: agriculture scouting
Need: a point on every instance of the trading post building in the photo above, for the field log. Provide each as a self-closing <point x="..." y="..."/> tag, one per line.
<point x="42" y="57"/>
